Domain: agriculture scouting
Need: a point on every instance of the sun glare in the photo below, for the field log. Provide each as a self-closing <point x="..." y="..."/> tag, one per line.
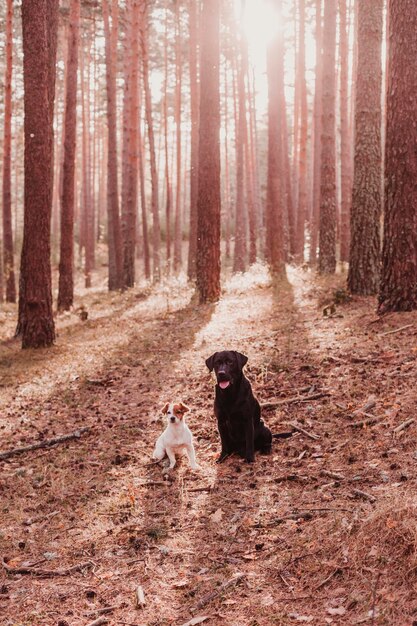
<point x="261" y="22"/>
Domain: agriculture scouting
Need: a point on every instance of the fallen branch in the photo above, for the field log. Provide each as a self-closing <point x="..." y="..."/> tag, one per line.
<point x="197" y="489"/>
<point x="303" y="431"/>
<point x="404" y="425"/>
<point x="140" y="597"/>
<point x="293" y="399"/>
<point x="338" y="570"/>
<point x="396" y="330"/>
<point x="104" y="610"/>
<point x="363" y="494"/>
<point x="213" y="594"/>
<point x="47" y="573"/>
<point x="99" y="621"/>
<point x="47" y="443"/>
<point x="306" y="515"/>
<point x="334" y="475"/>
<point x="372" y="419"/>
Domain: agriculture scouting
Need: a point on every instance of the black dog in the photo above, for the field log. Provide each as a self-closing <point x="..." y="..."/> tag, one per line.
<point x="236" y="408"/>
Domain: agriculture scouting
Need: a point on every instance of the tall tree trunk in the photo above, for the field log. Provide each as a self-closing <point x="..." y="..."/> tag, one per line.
<point x="240" y="252"/>
<point x="193" y="9"/>
<point x="168" y="189"/>
<point x="156" y="229"/>
<point x="208" y="202"/>
<point x="345" y="138"/>
<point x="113" y="217"/>
<point x="66" y="261"/>
<point x="364" y="260"/>
<point x="274" y="201"/>
<point x="327" y="223"/>
<point x="178" y="87"/>
<point x="318" y="88"/>
<point x="129" y="198"/>
<point x="398" y="288"/>
<point x="8" y="251"/>
<point x="145" y="236"/>
<point x="87" y="202"/>
<point x="303" y="136"/>
<point x="40" y="27"/>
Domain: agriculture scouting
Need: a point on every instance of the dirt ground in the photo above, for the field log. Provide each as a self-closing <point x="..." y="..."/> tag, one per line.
<point x="323" y="531"/>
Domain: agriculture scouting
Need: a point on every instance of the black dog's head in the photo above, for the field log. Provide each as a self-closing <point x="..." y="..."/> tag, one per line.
<point x="227" y="366"/>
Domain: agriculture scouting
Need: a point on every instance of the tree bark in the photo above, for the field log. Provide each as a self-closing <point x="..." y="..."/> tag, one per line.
<point x="274" y="202"/>
<point x="193" y="9"/>
<point x="156" y="229"/>
<point x="178" y="147"/>
<point x="327" y="221"/>
<point x="345" y="137"/>
<point x="315" y="213"/>
<point x="8" y="249"/>
<point x="113" y="217"/>
<point x="398" y="288"/>
<point x="303" y="137"/>
<point x="208" y="201"/>
<point x="364" y="258"/>
<point x="40" y="27"/>
<point x="66" y="261"/>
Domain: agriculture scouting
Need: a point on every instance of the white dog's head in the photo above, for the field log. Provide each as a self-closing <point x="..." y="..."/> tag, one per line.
<point x="175" y="411"/>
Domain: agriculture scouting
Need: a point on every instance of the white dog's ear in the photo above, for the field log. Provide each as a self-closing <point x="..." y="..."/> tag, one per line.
<point x="165" y="409"/>
<point x="184" y="408"/>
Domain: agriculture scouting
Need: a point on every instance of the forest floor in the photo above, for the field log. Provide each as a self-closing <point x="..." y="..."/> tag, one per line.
<point x="323" y="531"/>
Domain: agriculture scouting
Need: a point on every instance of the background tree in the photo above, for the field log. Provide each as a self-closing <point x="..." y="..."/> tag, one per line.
<point x="40" y="27"/>
<point x="274" y="201"/>
<point x="208" y="199"/>
<point x="327" y="221"/>
<point x="66" y="262"/>
<point x="364" y="256"/>
<point x="398" y="288"/>
<point x="8" y="249"/>
<point x="193" y="10"/>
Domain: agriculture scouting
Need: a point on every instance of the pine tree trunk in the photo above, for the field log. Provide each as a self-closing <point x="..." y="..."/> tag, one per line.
<point x="208" y="202"/>
<point x="168" y="189"/>
<point x="315" y="213"/>
<point x="113" y="217"/>
<point x="66" y="261"/>
<point x="40" y="27"/>
<point x="145" y="237"/>
<point x="156" y="229"/>
<point x="327" y="221"/>
<point x="193" y="9"/>
<point x="303" y="137"/>
<point x="130" y="184"/>
<point x="240" y="252"/>
<point x="178" y="87"/>
<point x="345" y="138"/>
<point x="398" y="288"/>
<point x="274" y="201"/>
<point x="364" y="259"/>
<point x="8" y="250"/>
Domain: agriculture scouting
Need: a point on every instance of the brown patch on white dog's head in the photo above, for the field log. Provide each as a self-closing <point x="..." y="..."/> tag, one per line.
<point x="175" y="409"/>
<point x="165" y="409"/>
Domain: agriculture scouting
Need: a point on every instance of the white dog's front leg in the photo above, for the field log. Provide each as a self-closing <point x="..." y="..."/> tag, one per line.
<point x="171" y="457"/>
<point x="159" y="452"/>
<point x="191" y="456"/>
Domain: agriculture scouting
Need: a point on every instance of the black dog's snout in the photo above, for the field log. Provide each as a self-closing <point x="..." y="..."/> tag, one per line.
<point x="221" y="374"/>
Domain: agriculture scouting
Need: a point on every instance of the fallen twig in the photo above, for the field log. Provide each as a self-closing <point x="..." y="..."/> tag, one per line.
<point x="404" y="425"/>
<point x="303" y="431"/>
<point x="140" y="597"/>
<point x="197" y="489"/>
<point x="396" y="330"/>
<point x="273" y="403"/>
<point x="338" y="570"/>
<point x="213" y="594"/>
<point x="369" y="421"/>
<point x="99" y="621"/>
<point x="47" y="443"/>
<point x="363" y="494"/>
<point x="104" y="610"/>
<point x="334" y="475"/>
<point x="306" y="515"/>
<point x="47" y="573"/>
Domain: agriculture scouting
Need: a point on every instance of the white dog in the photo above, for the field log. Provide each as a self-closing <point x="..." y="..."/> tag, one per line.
<point x="177" y="437"/>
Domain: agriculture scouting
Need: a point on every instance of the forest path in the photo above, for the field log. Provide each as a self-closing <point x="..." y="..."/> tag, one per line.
<point x="292" y="536"/>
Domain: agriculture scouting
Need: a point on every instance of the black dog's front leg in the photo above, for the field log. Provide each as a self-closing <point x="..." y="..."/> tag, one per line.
<point x="225" y="440"/>
<point x="250" y="441"/>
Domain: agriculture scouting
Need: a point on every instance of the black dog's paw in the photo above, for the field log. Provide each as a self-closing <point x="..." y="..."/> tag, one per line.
<point x="223" y="456"/>
<point x="266" y="450"/>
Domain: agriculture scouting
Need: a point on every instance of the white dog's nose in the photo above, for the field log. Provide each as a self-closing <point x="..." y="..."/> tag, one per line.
<point x="172" y="418"/>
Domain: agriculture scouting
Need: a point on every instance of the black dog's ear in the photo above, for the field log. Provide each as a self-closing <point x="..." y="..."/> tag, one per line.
<point x="241" y="359"/>
<point x="210" y="362"/>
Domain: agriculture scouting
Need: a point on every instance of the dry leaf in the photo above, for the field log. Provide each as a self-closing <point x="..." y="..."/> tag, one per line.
<point x="217" y="516"/>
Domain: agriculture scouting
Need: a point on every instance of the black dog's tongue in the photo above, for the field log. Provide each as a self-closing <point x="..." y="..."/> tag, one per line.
<point x="224" y="384"/>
